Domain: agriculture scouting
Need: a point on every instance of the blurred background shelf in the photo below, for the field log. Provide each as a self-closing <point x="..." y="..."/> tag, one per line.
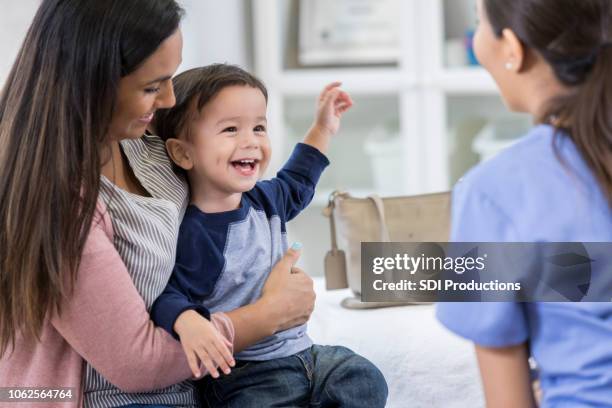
<point x="419" y="123"/>
<point x="421" y="119"/>
<point x="473" y="80"/>
<point x="359" y="80"/>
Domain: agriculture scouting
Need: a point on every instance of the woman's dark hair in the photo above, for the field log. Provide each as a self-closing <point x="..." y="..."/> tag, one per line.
<point x="196" y="87"/>
<point x="55" y="110"/>
<point x="575" y="38"/>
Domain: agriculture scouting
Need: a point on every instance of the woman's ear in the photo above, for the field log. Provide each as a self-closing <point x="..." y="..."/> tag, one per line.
<point x="180" y="153"/>
<point x="513" y="50"/>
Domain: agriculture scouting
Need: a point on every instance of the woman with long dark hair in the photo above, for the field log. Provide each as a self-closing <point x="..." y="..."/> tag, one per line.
<point x="553" y="60"/>
<point x="90" y="209"/>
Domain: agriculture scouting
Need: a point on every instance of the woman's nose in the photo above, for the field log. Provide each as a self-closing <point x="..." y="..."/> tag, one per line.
<point x="166" y="99"/>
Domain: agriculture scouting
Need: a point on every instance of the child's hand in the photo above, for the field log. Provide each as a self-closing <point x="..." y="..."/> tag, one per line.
<point x="333" y="102"/>
<point x="202" y="342"/>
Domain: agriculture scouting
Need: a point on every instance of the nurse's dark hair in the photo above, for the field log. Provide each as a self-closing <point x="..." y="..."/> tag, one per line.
<point x="55" y="110"/>
<point x="195" y="88"/>
<point x="575" y="38"/>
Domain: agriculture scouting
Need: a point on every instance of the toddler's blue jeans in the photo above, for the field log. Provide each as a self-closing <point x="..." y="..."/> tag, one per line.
<point x="321" y="376"/>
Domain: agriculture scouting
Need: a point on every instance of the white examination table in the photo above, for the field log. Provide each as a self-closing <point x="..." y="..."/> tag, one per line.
<point x="424" y="364"/>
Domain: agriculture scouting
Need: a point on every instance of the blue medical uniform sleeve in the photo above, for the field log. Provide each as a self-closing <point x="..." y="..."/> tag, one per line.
<point x="477" y="218"/>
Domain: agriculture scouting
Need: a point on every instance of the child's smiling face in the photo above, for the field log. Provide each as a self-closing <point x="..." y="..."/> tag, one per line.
<point x="228" y="142"/>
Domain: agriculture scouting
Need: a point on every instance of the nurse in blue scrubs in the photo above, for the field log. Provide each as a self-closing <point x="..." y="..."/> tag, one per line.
<point x="552" y="59"/>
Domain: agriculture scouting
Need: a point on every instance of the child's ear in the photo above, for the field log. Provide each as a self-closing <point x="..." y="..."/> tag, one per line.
<point x="180" y="153"/>
<point x="514" y="51"/>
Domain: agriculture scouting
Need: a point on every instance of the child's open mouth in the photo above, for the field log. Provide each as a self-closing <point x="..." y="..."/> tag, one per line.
<point x="246" y="167"/>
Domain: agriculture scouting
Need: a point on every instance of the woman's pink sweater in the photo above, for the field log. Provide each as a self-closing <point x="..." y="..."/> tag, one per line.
<point x="104" y="322"/>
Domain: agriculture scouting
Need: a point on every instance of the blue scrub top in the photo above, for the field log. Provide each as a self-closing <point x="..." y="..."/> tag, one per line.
<point x="533" y="192"/>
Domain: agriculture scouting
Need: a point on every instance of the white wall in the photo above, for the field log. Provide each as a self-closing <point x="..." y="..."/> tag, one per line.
<point x="15" y="19"/>
<point x="214" y="31"/>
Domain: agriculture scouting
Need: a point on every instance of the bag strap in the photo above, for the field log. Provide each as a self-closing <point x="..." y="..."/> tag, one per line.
<point x="336" y="275"/>
<point x="329" y="212"/>
<point x="380" y="210"/>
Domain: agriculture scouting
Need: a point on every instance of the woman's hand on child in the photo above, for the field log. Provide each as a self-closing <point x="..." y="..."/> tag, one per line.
<point x="289" y="292"/>
<point x="203" y="343"/>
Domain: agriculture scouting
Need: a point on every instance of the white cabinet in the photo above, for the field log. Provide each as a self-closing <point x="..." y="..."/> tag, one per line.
<point x="431" y="99"/>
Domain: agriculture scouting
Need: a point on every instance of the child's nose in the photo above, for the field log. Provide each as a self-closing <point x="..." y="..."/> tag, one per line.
<point x="250" y="140"/>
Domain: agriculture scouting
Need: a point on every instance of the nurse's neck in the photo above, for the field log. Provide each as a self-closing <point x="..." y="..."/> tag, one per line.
<point x="540" y="88"/>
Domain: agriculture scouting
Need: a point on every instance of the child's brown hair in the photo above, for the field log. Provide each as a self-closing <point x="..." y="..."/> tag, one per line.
<point x="194" y="89"/>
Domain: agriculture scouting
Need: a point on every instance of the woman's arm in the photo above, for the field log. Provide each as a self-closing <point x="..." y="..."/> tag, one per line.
<point x="105" y="320"/>
<point x="287" y="301"/>
<point x="505" y="376"/>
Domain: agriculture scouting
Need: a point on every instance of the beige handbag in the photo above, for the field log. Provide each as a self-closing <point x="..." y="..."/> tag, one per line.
<point x="353" y="220"/>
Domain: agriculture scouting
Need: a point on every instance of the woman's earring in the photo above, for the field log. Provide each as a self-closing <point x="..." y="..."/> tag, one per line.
<point x="509" y="66"/>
